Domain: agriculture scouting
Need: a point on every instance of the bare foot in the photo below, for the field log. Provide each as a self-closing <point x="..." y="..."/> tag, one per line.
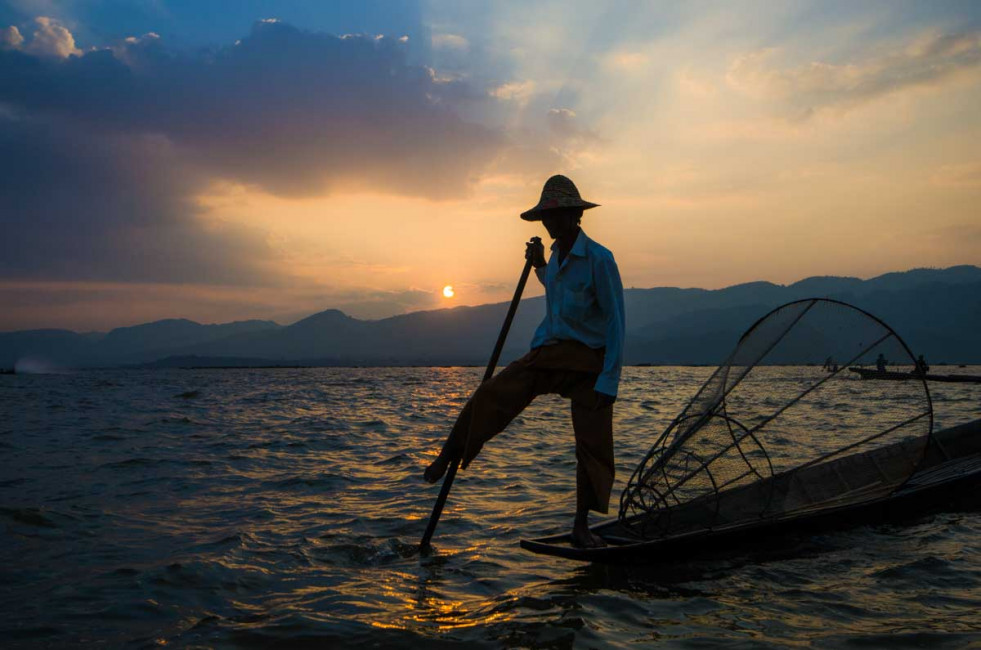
<point x="437" y="468"/>
<point x="582" y="537"/>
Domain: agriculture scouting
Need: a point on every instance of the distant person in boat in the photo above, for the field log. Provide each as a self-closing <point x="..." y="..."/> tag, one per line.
<point x="830" y="364"/>
<point x="880" y="363"/>
<point x="577" y="352"/>
<point x="921" y="366"/>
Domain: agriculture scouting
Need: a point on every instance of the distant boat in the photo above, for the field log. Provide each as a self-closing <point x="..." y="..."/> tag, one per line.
<point x="871" y="373"/>
<point x="6" y="371"/>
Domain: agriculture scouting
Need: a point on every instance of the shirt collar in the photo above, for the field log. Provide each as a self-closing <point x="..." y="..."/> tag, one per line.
<point x="578" y="246"/>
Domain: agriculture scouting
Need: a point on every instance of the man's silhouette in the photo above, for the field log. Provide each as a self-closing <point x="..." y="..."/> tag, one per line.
<point x="577" y="352"/>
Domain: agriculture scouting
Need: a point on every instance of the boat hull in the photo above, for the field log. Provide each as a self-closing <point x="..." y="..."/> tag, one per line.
<point x="869" y="373"/>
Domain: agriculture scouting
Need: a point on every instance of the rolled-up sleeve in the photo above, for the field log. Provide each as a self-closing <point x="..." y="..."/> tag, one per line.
<point x="609" y="295"/>
<point x="541" y="273"/>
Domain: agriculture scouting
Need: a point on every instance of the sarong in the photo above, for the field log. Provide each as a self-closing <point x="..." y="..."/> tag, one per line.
<point x="567" y="368"/>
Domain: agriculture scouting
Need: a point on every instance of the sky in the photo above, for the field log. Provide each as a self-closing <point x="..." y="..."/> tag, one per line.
<point x="221" y="161"/>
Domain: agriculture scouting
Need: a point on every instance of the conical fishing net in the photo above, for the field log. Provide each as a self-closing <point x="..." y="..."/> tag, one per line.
<point x="785" y="425"/>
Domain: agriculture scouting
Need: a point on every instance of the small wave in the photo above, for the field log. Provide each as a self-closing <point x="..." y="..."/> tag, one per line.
<point x="364" y="553"/>
<point x="529" y="602"/>
<point x="176" y="420"/>
<point x="373" y="425"/>
<point x="930" y="567"/>
<point x="395" y="460"/>
<point x="125" y="571"/>
<point x="226" y="543"/>
<point x="206" y="575"/>
<point x="323" y="481"/>
<point x="29" y="516"/>
<point x="108" y="437"/>
<point x="188" y="394"/>
<point x="131" y="462"/>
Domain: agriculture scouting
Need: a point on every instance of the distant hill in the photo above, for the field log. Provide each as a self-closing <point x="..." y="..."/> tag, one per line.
<point x="937" y="312"/>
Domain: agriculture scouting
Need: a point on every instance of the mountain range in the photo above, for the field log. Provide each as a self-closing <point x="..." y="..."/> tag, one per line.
<point x="936" y="311"/>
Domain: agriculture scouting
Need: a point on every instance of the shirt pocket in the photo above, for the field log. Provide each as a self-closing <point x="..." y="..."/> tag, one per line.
<point x="578" y="301"/>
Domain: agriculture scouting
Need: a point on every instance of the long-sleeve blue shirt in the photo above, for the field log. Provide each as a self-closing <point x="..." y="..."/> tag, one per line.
<point x="584" y="302"/>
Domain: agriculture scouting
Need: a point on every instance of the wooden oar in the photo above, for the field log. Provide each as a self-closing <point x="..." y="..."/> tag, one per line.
<point x="491" y="365"/>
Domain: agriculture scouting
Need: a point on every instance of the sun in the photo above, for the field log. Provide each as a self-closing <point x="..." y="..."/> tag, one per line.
<point x="448" y="291"/>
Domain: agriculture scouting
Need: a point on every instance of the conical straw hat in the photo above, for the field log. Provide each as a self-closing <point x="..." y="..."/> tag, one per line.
<point x="559" y="192"/>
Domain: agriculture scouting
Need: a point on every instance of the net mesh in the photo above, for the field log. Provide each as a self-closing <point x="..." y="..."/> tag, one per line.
<point x="785" y="425"/>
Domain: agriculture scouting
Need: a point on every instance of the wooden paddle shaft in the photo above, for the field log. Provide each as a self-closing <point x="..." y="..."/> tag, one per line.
<point x="491" y="365"/>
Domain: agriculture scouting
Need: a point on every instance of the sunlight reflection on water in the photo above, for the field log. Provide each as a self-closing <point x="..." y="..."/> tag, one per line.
<point x="253" y="507"/>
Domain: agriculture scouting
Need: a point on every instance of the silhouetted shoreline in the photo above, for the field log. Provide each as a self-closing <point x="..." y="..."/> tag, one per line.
<point x="934" y="311"/>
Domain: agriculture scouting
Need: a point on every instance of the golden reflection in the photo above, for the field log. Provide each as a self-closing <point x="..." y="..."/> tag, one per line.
<point x="415" y="604"/>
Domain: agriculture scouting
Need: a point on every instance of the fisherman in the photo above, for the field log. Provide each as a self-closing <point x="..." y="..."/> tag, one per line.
<point x="921" y="366"/>
<point x="880" y="363"/>
<point x="576" y="352"/>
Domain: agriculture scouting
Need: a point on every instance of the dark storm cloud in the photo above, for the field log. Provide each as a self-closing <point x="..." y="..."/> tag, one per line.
<point x="108" y="208"/>
<point x="102" y="153"/>
<point x="289" y="111"/>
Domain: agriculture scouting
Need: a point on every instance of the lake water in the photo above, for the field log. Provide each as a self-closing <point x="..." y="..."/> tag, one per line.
<point x="252" y="508"/>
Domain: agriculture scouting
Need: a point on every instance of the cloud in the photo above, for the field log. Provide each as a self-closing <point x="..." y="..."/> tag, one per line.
<point x="293" y="112"/>
<point x="10" y="38"/>
<point x="804" y="90"/>
<point x="562" y="121"/>
<point x="92" y="208"/>
<point x="518" y="91"/>
<point x="450" y="42"/>
<point x="105" y="151"/>
<point x="50" y="39"/>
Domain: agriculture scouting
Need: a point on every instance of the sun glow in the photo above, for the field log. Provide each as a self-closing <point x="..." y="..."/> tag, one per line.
<point x="448" y="291"/>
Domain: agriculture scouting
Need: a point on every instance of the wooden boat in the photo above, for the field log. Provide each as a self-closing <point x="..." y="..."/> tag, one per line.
<point x="948" y="478"/>
<point x="872" y="373"/>
<point x="752" y="456"/>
